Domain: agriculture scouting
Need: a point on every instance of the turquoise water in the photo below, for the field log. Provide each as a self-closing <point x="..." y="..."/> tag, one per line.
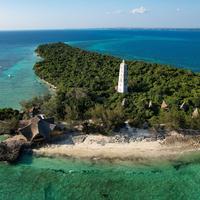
<point x="51" y="179"/>
<point x="179" y="48"/>
<point x="23" y="84"/>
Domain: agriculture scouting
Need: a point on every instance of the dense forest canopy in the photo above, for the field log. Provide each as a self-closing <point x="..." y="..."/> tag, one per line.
<point x="9" y="120"/>
<point x="9" y="113"/>
<point x="86" y="83"/>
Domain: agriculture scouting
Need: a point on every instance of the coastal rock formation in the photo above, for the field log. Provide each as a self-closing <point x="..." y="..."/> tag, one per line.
<point x="10" y="149"/>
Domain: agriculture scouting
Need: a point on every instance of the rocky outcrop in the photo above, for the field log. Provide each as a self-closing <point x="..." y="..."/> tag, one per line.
<point x="11" y="148"/>
<point x="189" y="132"/>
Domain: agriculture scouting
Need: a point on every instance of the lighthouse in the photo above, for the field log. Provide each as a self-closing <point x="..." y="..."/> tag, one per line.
<point x="123" y="78"/>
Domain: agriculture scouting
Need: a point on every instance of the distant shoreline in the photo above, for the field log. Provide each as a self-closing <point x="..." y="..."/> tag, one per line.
<point x="100" y="28"/>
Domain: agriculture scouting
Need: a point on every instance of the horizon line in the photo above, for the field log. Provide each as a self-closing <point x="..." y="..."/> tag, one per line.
<point x="106" y="28"/>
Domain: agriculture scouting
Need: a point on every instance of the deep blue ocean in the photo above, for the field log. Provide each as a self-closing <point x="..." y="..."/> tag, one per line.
<point x="179" y="48"/>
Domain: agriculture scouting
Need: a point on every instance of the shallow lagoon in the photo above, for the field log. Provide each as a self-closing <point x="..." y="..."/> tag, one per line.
<point x="59" y="178"/>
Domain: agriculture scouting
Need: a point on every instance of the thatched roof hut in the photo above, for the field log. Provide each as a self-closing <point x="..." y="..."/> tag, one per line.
<point x="38" y="129"/>
<point x="164" y="105"/>
<point x="33" y="111"/>
<point x="195" y="114"/>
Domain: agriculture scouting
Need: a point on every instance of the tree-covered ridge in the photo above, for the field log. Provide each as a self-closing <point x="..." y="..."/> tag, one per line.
<point x="93" y="77"/>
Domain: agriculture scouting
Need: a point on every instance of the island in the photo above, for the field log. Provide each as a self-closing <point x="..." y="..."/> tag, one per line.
<point x="156" y="116"/>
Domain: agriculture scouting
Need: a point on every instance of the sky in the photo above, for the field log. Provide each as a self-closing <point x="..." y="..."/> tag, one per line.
<point x="75" y="14"/>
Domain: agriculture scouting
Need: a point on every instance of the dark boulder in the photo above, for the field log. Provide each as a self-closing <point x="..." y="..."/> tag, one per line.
<point x="11" y="148"/>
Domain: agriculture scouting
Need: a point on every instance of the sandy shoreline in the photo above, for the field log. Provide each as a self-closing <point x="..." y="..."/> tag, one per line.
<point x="51" y="87"/>
<point x="134" y="151"/>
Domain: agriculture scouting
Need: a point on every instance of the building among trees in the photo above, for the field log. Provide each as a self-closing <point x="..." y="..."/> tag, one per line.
<point x="123" y="78"/>
<point x="38" y="129"/>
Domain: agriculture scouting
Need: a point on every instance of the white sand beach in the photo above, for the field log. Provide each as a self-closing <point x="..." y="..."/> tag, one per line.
<point x="93" y="148"/>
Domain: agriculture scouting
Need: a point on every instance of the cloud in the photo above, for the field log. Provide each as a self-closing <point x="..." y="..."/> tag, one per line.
<point x="114" y="12"/>
<point x="140" y="10"/>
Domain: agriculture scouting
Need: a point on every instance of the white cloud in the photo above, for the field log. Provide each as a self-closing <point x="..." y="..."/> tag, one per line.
<point x="140" y="10"/>
<point x="114" y="12"/>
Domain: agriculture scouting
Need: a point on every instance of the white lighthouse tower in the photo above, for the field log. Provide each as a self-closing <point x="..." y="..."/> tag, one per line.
<point x="123" y="78"/>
